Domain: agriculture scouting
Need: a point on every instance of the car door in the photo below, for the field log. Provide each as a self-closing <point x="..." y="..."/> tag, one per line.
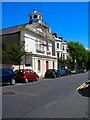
<point x="28" y="74"/>
<point x="33" y="75"/>
<point x="4" y="76"/>
<point x="10" y="74"/>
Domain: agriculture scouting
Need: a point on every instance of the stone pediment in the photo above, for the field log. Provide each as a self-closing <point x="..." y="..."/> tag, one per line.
<point x="40" y="29"/>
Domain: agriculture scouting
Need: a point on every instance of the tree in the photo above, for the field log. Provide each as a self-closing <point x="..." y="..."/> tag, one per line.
<point x="77" y="52"/>
<point x="15" y="53"/>
<point x="72" y="51"/>
<point x="63" y="62"/>
<point x="88" y="62"/>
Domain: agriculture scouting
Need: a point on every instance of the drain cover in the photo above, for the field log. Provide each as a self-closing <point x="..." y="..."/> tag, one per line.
<point x="8" y="93"/>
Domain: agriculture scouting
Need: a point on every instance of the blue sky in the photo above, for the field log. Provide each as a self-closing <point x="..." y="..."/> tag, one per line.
<point x="68" y="19"/>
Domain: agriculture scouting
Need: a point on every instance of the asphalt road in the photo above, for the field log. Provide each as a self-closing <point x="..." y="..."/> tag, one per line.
<point x="46" y="98"/>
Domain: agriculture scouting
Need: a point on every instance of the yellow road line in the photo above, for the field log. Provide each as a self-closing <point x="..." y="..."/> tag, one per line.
<point x="80" y="87"/>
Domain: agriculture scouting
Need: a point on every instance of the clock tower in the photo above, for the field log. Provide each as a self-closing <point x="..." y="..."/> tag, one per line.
<point x="35" y="17"/>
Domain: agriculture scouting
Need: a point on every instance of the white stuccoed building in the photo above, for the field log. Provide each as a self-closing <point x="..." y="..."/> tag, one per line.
<point x="59" y="49"/>
<point x="38" y="44"/>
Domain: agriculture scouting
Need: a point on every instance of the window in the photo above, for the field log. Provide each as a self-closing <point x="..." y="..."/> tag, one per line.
<point x="57" y="45"/>
<point x="35" y="16"/>
<point x="20" y="71"/>
<point x="3" y="71"/>
<point x="53" y="64"/>
<point x="38" y="64"/>
<point x="27" y="71"/>
<point x="30" y="17"/>
<point x="0" y="71"/>
<point x="32" y="71"/>
<point x="63" y="56"/>
<point x="9" y="71"/>
<point x="63" y="47"/>
<point x="57" y="55"/>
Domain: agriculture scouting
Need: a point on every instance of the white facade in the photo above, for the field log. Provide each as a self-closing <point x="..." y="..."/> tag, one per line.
<point x="38" y="44"/>
<point x="60" y="49"/>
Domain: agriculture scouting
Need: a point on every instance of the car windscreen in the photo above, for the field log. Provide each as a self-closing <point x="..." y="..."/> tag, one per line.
<point x="49" y="71"/>
<point x="16" y="71"/>
<point x="19" y="71"/>
<point x="59" y="70"/>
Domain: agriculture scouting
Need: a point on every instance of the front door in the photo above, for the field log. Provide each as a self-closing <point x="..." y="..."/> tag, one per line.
<point x="46" y="65"/>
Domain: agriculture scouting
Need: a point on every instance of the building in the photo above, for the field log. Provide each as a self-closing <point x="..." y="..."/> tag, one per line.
<point x="60" y="49"/>
<point x="38" y="44"/>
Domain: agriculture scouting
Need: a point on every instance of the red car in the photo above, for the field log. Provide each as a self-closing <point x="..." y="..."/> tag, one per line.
<point x="26" y="75"/>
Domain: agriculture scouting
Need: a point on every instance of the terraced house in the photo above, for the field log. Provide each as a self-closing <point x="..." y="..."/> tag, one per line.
<point x="38" y="43"/>
<point x="59" y="49"/>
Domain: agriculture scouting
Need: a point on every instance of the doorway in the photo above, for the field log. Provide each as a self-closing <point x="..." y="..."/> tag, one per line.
<point x="46" y="65"/>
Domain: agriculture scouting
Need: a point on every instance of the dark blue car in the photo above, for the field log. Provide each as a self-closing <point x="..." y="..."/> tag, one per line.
<point x="7" y="76"/>
<point x="62" y="72"/>
<point x="78" y="71"/>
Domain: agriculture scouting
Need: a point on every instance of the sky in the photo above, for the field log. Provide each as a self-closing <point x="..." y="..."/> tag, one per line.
<point x="68" y="19"/>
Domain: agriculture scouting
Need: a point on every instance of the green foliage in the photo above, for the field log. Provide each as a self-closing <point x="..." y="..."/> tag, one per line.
<point x="15" y="52"/>
<point x="88" y="62"/>
<point x="63" y="62"/>
<point x="77" y="52"/>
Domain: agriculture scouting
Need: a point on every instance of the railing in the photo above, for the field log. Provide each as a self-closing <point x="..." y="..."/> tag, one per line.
<point x="38" y="51"/>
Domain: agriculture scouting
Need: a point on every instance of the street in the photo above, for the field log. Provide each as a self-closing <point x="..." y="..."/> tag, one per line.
<point x="46" y="98"/>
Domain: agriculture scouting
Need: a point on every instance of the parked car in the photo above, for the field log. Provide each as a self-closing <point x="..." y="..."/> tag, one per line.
<point x="51" y="73"/>
<point x="83" y="70"/>
<point x="26" y="75"/>
<point x="78" y="71"/>
<point x="62" y="72"/>
<point x="68" y="71"/>
<point x="73" y="71"/>
<point x="7" y="76"/>
<point x="84" y="89"/>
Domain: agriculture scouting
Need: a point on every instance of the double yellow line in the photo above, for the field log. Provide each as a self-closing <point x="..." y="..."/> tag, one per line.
<point x="81" y="86"/>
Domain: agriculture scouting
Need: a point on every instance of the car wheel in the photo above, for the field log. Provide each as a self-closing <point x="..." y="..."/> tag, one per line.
<point x="67" y="74"/>
<point x="59" y="75"/>
<point x="12" y="81"/>
<point x="54" y="76"/>
<point x="26" y="80"/>
<point x="37" y="78"/>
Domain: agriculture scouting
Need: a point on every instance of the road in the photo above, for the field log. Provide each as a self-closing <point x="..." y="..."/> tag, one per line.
<point x="46" y="98"/>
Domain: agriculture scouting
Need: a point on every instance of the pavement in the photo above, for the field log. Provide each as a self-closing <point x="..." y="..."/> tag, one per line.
<point x="46" y="98"/>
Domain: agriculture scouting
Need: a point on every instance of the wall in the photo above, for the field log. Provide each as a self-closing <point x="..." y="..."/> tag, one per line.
<point x="7" y="41"/>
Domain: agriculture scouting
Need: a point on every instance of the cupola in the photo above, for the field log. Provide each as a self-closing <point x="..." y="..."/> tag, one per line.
<point x="35" y="17"/>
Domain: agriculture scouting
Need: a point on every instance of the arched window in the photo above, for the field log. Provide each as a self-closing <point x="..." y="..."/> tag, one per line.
<point x="35" y="16"/>
<point x="30" y="17"/>
<point x="38" y="64"/>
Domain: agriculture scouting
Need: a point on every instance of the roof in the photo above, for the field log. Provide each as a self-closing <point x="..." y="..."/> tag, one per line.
<point x="10" y="30"/>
